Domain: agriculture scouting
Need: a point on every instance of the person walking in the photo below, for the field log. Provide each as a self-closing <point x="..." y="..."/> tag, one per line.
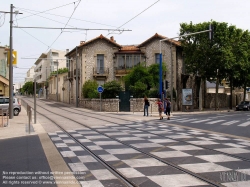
<point x="160" y="108"/>
<point x="168" y="108"/>
<point x="146" y="105"/>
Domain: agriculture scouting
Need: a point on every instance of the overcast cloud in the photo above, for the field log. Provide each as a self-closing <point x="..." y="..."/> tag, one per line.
<point x="164" y="17"/>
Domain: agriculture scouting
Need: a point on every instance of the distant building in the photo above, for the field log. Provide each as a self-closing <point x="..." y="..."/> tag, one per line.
<point x="4" y="72"/>
<point x="47" y="63"/>
<point x="30" y="75"/>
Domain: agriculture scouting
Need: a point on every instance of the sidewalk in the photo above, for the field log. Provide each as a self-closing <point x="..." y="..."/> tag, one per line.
<point x="30" y="153"/>
<point x="156" y="114"/>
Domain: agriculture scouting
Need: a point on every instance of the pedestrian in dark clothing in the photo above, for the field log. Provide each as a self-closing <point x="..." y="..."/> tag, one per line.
<point x="146" y="105"/>
<point x="168" y="108"/>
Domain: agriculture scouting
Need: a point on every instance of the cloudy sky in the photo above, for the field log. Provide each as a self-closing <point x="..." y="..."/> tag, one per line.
<point x="143" y="17"/>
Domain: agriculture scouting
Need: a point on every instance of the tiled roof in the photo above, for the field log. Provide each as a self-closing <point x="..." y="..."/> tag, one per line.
<point x="160" y="37"/>
<point x="97" y="38"/>
<point x="129" y="48"/>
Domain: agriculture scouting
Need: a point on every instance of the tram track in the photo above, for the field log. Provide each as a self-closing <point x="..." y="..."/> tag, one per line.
<point x="124" y="179"/>
<point x="115" y="117"/>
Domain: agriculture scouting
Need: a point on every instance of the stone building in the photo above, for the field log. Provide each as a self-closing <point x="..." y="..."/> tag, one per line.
<point x="103" y="59"/>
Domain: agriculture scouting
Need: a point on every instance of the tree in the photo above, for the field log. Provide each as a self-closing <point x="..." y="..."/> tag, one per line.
<point x="89" y="89"/>
<point x="28" y="88"/>
<point x="111" y="89"/>
<point x="143" y="80"/>
<point x="212" y="59"/>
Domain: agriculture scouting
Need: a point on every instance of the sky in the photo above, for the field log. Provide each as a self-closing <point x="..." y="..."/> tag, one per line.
<point x="143" y="17"/>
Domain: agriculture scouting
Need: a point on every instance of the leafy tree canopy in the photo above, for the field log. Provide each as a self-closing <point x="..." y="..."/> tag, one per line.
<point x="89" y="89"/>
<point x="28" y="88"/>
<point x="141" y="79"/>
<point x="111" y="89"/>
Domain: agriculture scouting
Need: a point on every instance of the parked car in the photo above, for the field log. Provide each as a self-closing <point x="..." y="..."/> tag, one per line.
<point x="244" y="105"/>
<point x="4" y="104"/>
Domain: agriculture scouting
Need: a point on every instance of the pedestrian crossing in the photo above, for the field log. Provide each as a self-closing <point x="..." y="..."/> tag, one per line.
<point x="212" y="121"/>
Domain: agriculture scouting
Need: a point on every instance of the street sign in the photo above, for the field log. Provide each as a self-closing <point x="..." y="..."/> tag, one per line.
<point x="100" y="89"/>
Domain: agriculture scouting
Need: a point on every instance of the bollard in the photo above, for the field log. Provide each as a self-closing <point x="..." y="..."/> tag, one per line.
<point x="7" y="118"/>
<point x="29" y="120"/>
<point x="2" y="117"/>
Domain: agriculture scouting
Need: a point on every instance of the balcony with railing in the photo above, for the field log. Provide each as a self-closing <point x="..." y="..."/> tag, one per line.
<point x="101" y="72"/>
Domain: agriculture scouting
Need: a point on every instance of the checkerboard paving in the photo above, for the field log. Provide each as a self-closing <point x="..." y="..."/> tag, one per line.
<point x="137" y="167"/>
<point x="193" y="157"/>
<point x="145" y="170"/>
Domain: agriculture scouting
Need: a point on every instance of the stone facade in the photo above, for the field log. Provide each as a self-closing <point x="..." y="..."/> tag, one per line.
<point x="86" y="55"/>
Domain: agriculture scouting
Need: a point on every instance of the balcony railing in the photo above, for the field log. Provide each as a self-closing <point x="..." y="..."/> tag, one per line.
<point x="75" y="72"/>
<point x="121" y="71"/>
<point x="100" y="72"/>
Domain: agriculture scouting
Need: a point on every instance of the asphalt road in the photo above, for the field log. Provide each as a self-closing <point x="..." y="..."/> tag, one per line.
<point x="234" y="123"/>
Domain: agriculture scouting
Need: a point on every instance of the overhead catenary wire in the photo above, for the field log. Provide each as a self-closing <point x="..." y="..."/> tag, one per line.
<point x="135" y="16"/>
<point x="48" y="10"/>
<point x="3" y="19"/>
<point x="32" y="36"/>
<point x="26" y="10"/>
<point x="52" y="20"/>
<point x="65" y="24"/>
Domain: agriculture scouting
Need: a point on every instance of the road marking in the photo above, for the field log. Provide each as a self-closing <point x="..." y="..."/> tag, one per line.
<point x="230" y="122"/>
<point x="187" y="120"/>
<point x="213" y="122"/>
<point x="201" y="121"/>
<point x="244" y="124"/>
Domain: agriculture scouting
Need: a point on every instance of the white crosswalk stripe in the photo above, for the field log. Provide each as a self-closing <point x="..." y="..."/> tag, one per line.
<point x="244" y="124"/>
<point x="201" y="121"/>
<point x="187" y="120"/>
<point x="213" y="122"/>
<point x="230" y="122"/>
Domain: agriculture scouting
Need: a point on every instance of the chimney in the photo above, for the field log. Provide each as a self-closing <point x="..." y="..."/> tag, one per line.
<point x="82" y="42"/>
<point x="67" y="50"/>
<point x="112" y="38"/>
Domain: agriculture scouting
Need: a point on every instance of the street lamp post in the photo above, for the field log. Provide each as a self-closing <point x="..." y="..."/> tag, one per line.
<point x="171" y="63"/>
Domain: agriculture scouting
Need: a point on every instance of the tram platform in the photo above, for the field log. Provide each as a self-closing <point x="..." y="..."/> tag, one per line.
<point x="29" y="158"/>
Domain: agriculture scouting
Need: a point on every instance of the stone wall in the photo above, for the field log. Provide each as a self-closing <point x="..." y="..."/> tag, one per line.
<point x="53" y="97"/>
<point x="108" y="105"/>
<point x="137" y="105"/>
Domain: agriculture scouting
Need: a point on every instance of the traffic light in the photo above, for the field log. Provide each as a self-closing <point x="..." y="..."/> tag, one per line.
<point x="211" y="32"/>
<point x="166" y="84"/>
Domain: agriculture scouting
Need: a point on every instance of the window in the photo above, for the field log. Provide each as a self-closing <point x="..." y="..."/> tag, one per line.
<point x="100" y="82"/>
<point x="128" y="61"/>
<point x="100" y="64"/>
<point x="157" y="58"/>
<point x="121" y="61"/>
<point x="55" y="54"/>
<point x="1" y="100"/>
<point x="6" y="100"/>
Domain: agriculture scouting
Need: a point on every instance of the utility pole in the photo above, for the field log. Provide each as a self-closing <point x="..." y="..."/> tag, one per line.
<point x="11" y="62"/>
<point x="77" y="93"/>
<point x="35" y="100"/>
<point x="11" y="67"/>
<point x="171" y="78"/>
